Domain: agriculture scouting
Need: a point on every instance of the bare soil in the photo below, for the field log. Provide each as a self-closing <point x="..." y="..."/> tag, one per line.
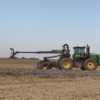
<point x="45" y="87"/>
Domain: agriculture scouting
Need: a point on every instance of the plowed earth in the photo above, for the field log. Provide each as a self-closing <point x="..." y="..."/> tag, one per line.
<point x="46" y="87"/>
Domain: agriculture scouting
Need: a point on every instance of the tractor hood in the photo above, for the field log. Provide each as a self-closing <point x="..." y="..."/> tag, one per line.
<point x="96" y="57"/>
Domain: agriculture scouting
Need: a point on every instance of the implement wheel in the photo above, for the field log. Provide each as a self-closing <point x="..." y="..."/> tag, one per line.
<point x="82" y="68"/>
<point x="58" y="65"/>
<point x="40" y="65"/>
<point x="90" y="64"/>
<point x="66" y="63"/>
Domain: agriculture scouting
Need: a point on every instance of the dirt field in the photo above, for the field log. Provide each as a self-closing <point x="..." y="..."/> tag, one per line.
<point x="45" y="87"/>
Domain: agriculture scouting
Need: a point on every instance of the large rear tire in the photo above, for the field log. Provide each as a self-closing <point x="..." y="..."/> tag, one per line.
<point x="90" y="64"/>
<point x="65" y="63"/>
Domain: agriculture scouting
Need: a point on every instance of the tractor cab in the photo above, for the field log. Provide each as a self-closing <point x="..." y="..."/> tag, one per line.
<point x="81" y="52"/>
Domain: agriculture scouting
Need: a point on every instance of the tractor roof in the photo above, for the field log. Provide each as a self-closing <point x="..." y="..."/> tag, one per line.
<point x="79" y="47"/>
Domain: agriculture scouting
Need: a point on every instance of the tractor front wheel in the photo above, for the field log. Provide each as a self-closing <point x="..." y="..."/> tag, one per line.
<point x="65" y="63"/>
<point x="90" y="64"/>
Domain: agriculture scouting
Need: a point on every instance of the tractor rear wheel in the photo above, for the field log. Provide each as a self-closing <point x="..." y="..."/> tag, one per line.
<point x="65" y="63"/>
<point x="90" y="64"/>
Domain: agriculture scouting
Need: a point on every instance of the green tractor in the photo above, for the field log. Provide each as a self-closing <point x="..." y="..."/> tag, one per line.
<point x="81" y="58"/>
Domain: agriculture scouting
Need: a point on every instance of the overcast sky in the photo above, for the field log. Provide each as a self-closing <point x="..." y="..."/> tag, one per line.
<point x="34" y="25"/>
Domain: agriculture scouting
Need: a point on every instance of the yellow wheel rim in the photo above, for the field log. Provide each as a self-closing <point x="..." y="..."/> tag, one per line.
<point x="90" y="65"/>
<point x="66" y="64"/>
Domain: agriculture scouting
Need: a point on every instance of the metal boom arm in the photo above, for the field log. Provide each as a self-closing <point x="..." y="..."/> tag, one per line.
<point x="65" y="49"/>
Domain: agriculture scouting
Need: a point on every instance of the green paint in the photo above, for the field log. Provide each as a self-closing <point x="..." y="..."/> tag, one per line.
<point x="80" y="51"/>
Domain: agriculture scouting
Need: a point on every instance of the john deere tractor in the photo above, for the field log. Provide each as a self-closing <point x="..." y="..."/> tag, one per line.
<point x="81" y="58"/>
